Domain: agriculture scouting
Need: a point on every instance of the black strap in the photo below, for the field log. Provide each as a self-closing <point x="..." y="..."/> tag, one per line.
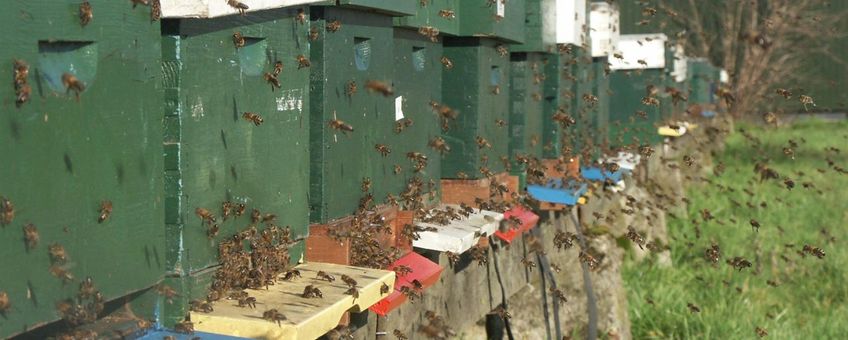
<point x="500" y="283"/>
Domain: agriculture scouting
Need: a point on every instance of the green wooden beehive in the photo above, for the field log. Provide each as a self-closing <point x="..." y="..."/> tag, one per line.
<point x="539" y="27"/>
<point x="630" y="120"/>
<point x="442" y="15"/>
<point x="62" y="156"/>
<point x="390" y="7"/>
<point x="497" y="19"/>
<point x="702" y="78"/>
<point x="582" y="75"/>
<point x="601" y="91"/>
<point x="526" y="106"/>
<point x="212" y="153"/>
<point x="477" y="87"/>
<point x="360" y="52"/>
<point x="417" y="81"/>
<point x="554" y="98"/>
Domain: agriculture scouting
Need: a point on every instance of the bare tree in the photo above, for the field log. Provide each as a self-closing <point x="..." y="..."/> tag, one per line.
<point x="765" y="45"/>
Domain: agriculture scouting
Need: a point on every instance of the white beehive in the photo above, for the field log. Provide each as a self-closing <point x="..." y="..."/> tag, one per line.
<point x="640" y="51"/>
<point x="571" y="22"/>
<point x="604" y="29"/>
<point x="218" y="8"/>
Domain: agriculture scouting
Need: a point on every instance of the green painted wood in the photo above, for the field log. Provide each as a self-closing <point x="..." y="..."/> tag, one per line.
<point x="702" y="79"/>
<point x="62" y="157"/>
<point x="601" y="90"/>
<point x="392" y="7"/>
<point x="361" y="51"/>
<point x="468" y="88"/>
<point x="213" y="154"/>
<point x="479" y="19"/>
<point x="526" y="106"/>
<point x="418" y="79"/>
<point x="556" y="97"/>
<point x="429" y="16"/>
<point x="626" y="127"/>
<point x="539" y="27"/>
<point x="582" y="74"/>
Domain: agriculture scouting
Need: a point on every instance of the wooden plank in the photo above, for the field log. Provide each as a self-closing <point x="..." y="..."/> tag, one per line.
<point x="459" y="236"/>
<point x="305" y="318"/>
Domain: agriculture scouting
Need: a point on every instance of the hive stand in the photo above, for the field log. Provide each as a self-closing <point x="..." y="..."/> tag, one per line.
<point x="305" y="318"/>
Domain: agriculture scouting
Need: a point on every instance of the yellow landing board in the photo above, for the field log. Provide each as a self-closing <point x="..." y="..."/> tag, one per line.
<point x="305" y="318"/>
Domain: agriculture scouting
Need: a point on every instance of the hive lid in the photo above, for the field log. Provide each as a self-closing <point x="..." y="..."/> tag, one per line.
<point x="459" y="236"/>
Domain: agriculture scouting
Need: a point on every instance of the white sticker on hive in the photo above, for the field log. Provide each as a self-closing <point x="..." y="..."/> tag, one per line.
<point x="398" y="108"/>
<point x="290" y="100"/>
<point x="501" y="7"/>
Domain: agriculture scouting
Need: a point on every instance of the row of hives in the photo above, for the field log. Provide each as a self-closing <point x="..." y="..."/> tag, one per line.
<point x="138" y="138"/>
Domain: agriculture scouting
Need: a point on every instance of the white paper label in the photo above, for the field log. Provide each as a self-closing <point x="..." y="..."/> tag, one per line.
<point x="398" y="108"/>
<point x="501" y="8"/>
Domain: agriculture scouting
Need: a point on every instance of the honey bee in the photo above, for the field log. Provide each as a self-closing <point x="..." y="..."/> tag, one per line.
<point x="273" y="315"/>
<point x="384" y="289"/>
<point x="806" y="100"/>
<point x="784" y="92"/>
<point x="402" y="270"/>
<point x="314" y="34"/>
<point x="334" y="26"/>
<point x="379" y="87"/>
<point x="739" y="263"/>
<point x="72" y="83"/>
<point x="815" y="251"/>
<point x="650" y="101"/>
<point x="397" y="169"/>
<point x="155" y="10"/>
<point x="57" y="253"/>
<point x="31" y="236"/>
<point x="23" y="92"/>
<point x="635" y="237"/>
<point x="85" y="13"/>
<point x="61" y="273"/>
<point x="7" y="208"/>
<point x="383" y="149"/>
<point x="302" y="62"/>
<point x="185" y="326"/>
<point x="693" y="308"/>
<point x="5" y="304"/>
<point x="461" y="175"/>
<point x="241" y="7"/>
<point x="755" y="225"/>
<point x="311" y="291"/>
<point x="254" y="118"/>
<point x="105" y="211"/>
<point x="502" y="50"/>
<point x="200" y="306"/>
<point x="770" y="118"/>
<point x="447" y="14"/>
<point x="340" y="125"/>
<point x="528" y="264"/>
<point x="789" y="183"/>
<point x="559" y="295"/>
<point x="590" y="99"/>
<point x="761" y="332"/>
<point x="140" y="2"/>
<point x="366" y="184"/>
<point x="238" y="40"/>
<point x="397" y="333"/>
<point x="300" y="17"/>
<point x="324" y="276"/>
<point x="248" y="301"/>
<point x="589" y="260"/>
<point x="482" y="142"/>
<point x="447" y="62"/>
<point x="353" y="292"/>
<point x="351" y="88"/>
<point x="496" y="90"/>
<point x="205" y="215"/>
<point x="429" y="32"/>
<point x="439" y="145"/>
<point x="291" y="274"/>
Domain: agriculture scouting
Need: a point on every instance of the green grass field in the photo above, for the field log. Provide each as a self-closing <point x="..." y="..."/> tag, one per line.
<point x="810" y="300"/>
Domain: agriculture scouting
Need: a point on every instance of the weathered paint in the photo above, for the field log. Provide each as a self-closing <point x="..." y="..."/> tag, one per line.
<point x="539" y="28"/>
<point x="428" y="16"/>
<point x="526" y="106"/>
<point x="214" y="155"/>
<point x="470" y="88"/>
<point x="486" y="19"/>
<point x="62" y="157"/>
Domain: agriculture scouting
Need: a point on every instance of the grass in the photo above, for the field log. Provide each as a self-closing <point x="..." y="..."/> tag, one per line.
<point x="811" y="298"/>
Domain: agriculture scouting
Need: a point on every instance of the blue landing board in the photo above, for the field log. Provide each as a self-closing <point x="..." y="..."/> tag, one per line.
<point x="161" y="334"/>
<point x="595" y="174"/>
<point x="554" y="192"/>
<point x="708" y="114"/>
